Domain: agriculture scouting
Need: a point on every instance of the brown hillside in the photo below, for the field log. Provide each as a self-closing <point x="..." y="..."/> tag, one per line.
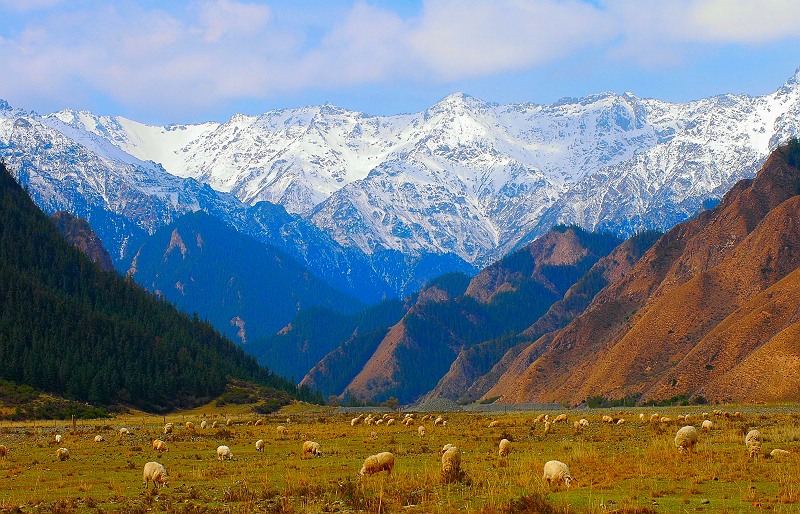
<point x="78" y="233"/>
<point x="641" y="327"/>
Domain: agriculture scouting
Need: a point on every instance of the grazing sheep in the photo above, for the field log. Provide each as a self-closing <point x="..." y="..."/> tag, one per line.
<point x="561" y="418"/>
<point x="547" y="425"/>
<point x="438" y="421"/>
<point x="539" y="418"/>
<point x="707" y="425"/>
<point x="377" y="463"/>
<point x="687" y="418"/>
<point x="753" y="443"/>
<point x="160" y="446"/>
<point x="390" y="422"/>
<point x="215" y="424"/>
<point x="379" y="422"/>
<point x="203" y="424"/>
<point x="578" y="425"/>
<point x="621" y="421"/>
<point x="777" y="452"/>
<point x="494" y="423"/>
<point x="282" y="431"/>
<point x="421" y="431"/>
<point x="260" y="445"/>
<point x="223" y="452"/>
<point x="666" y="419"/>
<point x="654" y="418"/>
<point x="190" y="426"/>
<point x="259" y="422"/>
<point x="62" y="454"/>
<point x="3" y="452"/>
<point x="228" y="422"/>
<point x="556" y="471"/>
<point x="583" y="422"/>
<point x="681" y="418"/>
<point x="608" y="419"/>
<point x="58" y="438"/>
<point x="686" y="438"/>
<point x="99" y="439"/>
<point x="737" y="415"/>
<point x="168" y="428"/>
<point x="451" y="462"/>
<point x="354" y="421"/>
<point x="155" y="472"/>
<point x="505" y="448"/>
<point x="311" y="449"/>
<point x="641" y="417"/>
<point x="123" y="432"/>
<point x="369" y="421"/>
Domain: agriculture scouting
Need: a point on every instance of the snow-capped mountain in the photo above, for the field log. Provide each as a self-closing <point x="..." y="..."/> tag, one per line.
<point x="469" y="177"/>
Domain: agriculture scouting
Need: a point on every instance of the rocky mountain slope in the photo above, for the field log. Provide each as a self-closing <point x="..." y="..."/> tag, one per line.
<point x="472" y="178"/>
<point x="78" y="233"/>
<point x="697" y="316"/>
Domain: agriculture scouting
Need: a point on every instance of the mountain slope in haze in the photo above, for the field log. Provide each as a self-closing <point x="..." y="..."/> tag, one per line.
<point x="68" y="327"/>
<point x="690" y="313"/>
<point x="314" y="332"/>
<point x="454" y="314"/>
<point x="78" y="232"/>
<point x="246" y="289"/>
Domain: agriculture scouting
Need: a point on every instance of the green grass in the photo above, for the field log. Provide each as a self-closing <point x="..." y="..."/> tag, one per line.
<point x="615" y="467"/>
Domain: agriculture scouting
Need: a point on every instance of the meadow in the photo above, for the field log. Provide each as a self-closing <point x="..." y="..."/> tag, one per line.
<point x="631" y="467"/>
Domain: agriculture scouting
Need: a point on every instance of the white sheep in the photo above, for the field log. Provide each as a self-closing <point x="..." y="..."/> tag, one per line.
<point x="621" y="421"/>
<point x="223" y="452"/>
<point x="421" y="431"/>
<point x="707" y="425"/>
<point x="203" y="424"/>
<point x="439" y="421"/>
<point x="228" y="422"/>
<point x="155" y="472"/>
<point x="556" y="471"/>
<point x="168" y="428"/>
<point x="777" y="453"/>
<point x="99" y="439"/>
<point x="377" y="463"/>
<point x="259" y="422"/>
<point x="608" y="419"/>
<point x="547" y="425"/>
<point x="282" y="431"/>
<point x="311" y="449"/>
<point x="62" y="454"/>
<point x="752" y="442"/>
<point x="390" y="422"/>
<point x="666" y="419"/>
<point x="561" y="418"/>
<point x="451" y="462"/>
<point x="539" y="418"/>
<point x="494" y="423"/>
<point x="355" y="421"/>
<point x="3" y="451"/>
<point x="215" y="424"/>
<point x="641" y="417"/>
<point x="160" y="446"/>
<point x="190" y="426"/>
<point x="58" y="438"/>
<point x="123" y="432"/>
<point x="505" y="448"/>
<point x="583" y="422"/>
<point x="686" y="438"/>
<point x="260" y="445"/>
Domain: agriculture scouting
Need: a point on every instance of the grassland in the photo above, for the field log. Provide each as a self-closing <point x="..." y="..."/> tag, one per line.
<point x="632" y="467"/>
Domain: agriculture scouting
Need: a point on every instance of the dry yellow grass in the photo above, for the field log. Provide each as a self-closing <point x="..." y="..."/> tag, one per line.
<point x="634" y="465"/>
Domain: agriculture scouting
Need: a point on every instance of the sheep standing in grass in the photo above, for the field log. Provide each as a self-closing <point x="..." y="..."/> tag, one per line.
<point x="281" y="431"/>
<point x="99" y="439"/>
<point x="621" y="421"/>
<point x="3" y="452"/>
<point x="311" y="449"/>
<point x="752" y="442"/>
<point x="62" y="454"/>
<point x="439" y="421"/>
<point x="215" y="424"/>
<point x="608" y="419"/>
<point x="494" y="423"/>
<point x="561" y="418"/>
<point x="58" y="438"/>
<point x="547" y="427"/>
<point x="686" y="438"/>
<point x="190" y="426"/>
<point x="260" y="445"/>
<point x="223" y="452"/>
<point x="707" y="425"/>
<point x="421" y="431"/>
<point x="203" y="424"/>
<point x="556" y="471"/>
<point x="390" y="422"/>
<point x="377" y="463"/>
<point x="122" y="433"/>
<point x="160" y="446"/>
<point x="777" y="453"/>
<point x="504" y="448"/>
<point x="155" y="472"/>
<point x="168" y="428"/>
<point x="451" y="462"/>
<point x="259" y="422"/>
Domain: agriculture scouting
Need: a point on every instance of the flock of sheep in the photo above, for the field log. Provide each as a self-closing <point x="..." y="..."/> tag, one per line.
<point x="554" y="471"/>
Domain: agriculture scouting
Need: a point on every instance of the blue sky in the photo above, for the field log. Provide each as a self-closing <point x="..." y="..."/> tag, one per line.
<point x="171" y="62"/>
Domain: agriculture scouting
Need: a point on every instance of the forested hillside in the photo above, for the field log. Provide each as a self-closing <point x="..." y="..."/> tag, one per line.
<point x="70" y="328"/>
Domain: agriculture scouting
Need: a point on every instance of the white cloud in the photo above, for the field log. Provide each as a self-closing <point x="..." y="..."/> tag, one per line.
<point x="187" y="56"/>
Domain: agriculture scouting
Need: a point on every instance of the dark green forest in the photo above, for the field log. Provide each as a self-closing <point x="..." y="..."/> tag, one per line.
<point x="70" y="328"/>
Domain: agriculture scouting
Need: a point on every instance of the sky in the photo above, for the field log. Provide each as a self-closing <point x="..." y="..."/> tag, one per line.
<point x="172" y="61"/>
